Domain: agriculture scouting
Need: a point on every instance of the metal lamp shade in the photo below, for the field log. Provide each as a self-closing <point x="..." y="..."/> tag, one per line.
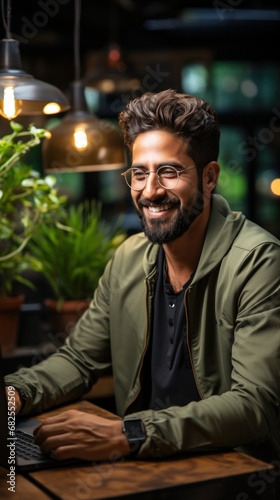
<point x="32" y="95"/>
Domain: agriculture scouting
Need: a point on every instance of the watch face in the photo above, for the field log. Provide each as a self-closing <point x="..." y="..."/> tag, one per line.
<point x="134" y="429"/>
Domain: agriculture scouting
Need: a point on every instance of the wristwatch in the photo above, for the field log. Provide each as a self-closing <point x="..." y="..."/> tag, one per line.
<point x="135" y="432"/>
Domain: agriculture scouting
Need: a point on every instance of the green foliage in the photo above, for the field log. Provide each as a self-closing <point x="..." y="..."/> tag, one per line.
<point x="75" y="250"/>
<point x="26" y="200"/>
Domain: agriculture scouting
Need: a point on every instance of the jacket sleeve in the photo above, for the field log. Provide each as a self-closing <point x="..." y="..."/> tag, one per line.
<point x="248" y="412"/>
<point x="72" y="370"/>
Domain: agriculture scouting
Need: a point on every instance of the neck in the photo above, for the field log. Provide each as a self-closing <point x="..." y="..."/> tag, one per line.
<point x="183" y="254"/>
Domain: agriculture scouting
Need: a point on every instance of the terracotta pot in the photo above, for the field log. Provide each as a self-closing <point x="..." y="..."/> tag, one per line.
<point x="9" y="322"/>
<point x="63" y="317"/>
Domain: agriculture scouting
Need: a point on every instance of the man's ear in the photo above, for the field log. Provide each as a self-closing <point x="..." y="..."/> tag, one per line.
<point x="211" y="175"/>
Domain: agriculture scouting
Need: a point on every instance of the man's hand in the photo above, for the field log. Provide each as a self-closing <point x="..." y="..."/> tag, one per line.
<point x="75" y="434"/>
<point x="13" y="398"/>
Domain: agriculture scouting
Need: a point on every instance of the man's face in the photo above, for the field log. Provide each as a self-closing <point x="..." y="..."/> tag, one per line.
<point x="166" y="214"/>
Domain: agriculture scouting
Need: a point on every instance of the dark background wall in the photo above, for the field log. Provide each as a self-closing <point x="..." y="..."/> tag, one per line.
<point x="231" y="28"/>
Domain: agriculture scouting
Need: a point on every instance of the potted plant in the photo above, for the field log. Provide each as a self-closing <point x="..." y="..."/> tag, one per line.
<point x="73" y="253"/>
<point x="26" y="199"/>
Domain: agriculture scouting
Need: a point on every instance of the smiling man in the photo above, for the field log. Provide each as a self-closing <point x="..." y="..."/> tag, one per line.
<point x="167" y="195"/>
<point x="187" y="312"/>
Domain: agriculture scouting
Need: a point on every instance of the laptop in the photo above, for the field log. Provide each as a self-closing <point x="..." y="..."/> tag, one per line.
<point x="17" y="446"/>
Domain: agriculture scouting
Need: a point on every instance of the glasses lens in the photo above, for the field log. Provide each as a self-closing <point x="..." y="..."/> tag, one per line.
<point x="135" y="178"/>
<point x="168" y="176"/>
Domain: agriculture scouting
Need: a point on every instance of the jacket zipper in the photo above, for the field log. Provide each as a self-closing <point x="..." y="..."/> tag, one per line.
<point x="144" y="351"/>
<point x="189" y="348"/>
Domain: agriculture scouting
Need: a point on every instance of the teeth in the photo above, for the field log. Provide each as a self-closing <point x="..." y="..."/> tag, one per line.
<point x="159" y="208"/>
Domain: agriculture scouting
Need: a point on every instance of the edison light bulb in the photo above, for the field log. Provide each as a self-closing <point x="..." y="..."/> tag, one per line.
<point x="80" y="139"/>
<point x="51" y="108"/>
<point x="9" y="106"/>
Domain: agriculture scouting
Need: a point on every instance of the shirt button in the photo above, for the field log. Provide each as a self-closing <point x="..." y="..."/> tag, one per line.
<point x="170" y="322"/>
<point x="171" y="304"/>
<point x="171" y="341"/>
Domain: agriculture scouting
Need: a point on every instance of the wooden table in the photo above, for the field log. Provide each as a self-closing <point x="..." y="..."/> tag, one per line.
<point x="25" y="489"/>
<point x="214" y="476"/>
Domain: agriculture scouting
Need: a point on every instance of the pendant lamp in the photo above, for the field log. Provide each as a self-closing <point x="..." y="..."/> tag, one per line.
<point x="20" y="93"/>
<point x="114" y="73"/>
<point x="82" y="142"/>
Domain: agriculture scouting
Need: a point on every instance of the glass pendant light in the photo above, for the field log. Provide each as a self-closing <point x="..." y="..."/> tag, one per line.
<point x="82" y="142"/>
<point x="114" y="73"/>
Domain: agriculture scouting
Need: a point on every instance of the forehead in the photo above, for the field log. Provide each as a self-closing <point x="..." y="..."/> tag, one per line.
<point x="158" y="144"/>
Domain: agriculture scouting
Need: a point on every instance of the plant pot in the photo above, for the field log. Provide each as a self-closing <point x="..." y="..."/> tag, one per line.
<point x="63" y="316"/>
<point x="9" y="322"/>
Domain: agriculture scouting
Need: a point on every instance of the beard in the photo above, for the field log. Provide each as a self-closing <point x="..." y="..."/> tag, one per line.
<point x="158" y="231"/>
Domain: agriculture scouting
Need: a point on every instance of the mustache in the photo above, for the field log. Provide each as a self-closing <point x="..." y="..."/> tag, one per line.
<point x="163" y="200"/>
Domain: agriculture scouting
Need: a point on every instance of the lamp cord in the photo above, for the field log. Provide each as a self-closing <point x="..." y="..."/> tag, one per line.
<point x="77" y="23"/>
<point x="6" y="19"/>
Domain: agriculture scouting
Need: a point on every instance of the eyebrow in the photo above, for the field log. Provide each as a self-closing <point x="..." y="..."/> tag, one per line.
<point x="162" y="164"/>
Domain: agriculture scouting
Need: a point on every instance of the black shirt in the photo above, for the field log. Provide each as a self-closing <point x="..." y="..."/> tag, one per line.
<point x="171" y="377"/>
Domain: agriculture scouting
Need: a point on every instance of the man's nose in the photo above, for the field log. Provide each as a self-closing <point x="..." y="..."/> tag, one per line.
<point x="152" y="185"/>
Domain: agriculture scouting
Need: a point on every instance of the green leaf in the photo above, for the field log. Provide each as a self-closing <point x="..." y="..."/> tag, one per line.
<point x="25" y="203"/>
<point x="75" y="250"/>
<point x="16" y="127"/>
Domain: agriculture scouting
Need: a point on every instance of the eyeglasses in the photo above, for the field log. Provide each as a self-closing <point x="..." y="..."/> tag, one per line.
<point x="167" y="176"/>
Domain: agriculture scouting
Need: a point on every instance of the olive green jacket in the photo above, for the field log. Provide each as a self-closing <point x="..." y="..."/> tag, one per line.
<point x="233" y="335"/>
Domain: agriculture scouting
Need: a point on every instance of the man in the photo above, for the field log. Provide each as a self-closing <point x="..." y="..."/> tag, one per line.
<point x="187" y="313"/>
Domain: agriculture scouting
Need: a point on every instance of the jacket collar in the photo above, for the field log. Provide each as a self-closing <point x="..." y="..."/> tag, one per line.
<point x="223" y="227"/>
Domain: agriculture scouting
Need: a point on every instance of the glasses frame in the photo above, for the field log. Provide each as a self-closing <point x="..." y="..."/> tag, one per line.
<point x="148" y="172"/>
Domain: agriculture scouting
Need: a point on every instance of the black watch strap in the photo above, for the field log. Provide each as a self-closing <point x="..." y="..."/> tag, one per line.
<point x="135" y="432"/>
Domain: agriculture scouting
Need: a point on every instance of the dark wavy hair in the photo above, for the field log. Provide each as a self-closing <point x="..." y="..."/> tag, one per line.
<point x="183" y="115"/>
